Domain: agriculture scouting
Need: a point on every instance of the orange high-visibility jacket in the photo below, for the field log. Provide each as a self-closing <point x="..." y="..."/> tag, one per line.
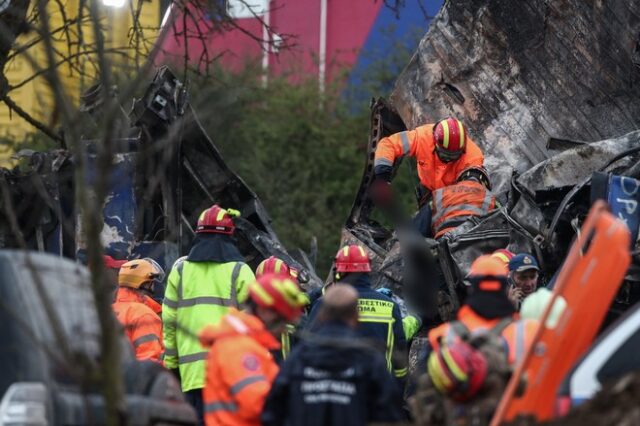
<point x="519" y="336"/>
<point x="469" y="318"/>
<point x="240" y="369"/>
<point x="420" y="143"/>
<point x="142" y="325"/>
<point x="454" y="204"/>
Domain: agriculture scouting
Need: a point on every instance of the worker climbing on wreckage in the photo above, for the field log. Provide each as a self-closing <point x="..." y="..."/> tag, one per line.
<point x="201" y="288"/>
<point x="442" y="150"/>
<point x="380" y="319"/>
<point x="240" y="367"/>
<point x="137" y="311"/>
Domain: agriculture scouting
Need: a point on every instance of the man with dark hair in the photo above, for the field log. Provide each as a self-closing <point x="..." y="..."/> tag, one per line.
<point x="334" y="377"/>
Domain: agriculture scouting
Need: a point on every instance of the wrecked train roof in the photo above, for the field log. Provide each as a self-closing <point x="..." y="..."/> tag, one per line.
<point x="524" y="76"/>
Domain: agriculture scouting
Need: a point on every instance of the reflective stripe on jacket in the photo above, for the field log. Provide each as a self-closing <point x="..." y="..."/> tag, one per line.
<point x="142" y="325"/>
<point x="519" y="336"/>
<point x="379" y="320"/>
<point x="240" y="369"/>
<point x="454" y="204"/>
<point x="198" y="294"/>
<point x="471" y="320"/>
<point x="420" y="143"/>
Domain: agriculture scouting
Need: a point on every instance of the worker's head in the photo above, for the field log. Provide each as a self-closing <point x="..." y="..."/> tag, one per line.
<point x="475" y="174"/>
<point x="140" y="274"/>
<point x="277" y="301"/>
<point x="216" y="220"/>
<point x="273" y="265"/>
<point x="503" y="255"/>
<point x="533" y="307"/>
<point x="457" y="370"/>
<point x="350" y="259"/>
<point x="451" y="139"/>
<point x="489" y="283"/>
<point x="340" y="304"/>
<point x="523" y="271"/>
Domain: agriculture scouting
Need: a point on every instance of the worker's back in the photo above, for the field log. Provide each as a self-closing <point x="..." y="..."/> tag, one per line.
<point x="198" y="294"/>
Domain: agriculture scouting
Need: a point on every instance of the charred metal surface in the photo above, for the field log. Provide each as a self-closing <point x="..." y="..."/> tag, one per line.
<point x="527" y="73"/>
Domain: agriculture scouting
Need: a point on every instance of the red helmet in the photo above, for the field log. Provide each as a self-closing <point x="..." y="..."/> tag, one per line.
<point x="273" y="265"/>
<point x="503" y="255"/>
<point x="216" y="220"/>
<point x="451" y="139"/>
<point x="457" y="370"/>
<point x="352" y="258"/>
<point x="279" y="293"/>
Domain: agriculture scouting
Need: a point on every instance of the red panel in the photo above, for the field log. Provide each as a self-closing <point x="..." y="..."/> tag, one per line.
<point x="348" y="25"/>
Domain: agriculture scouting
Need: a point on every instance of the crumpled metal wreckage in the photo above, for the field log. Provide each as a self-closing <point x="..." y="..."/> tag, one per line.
<point x="140" y="219"/>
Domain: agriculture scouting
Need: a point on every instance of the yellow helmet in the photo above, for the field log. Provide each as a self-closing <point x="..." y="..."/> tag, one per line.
<point x="137" y="272"/>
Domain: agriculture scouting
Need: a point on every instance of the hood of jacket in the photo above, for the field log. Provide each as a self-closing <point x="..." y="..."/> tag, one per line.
<point x="219" y="248"/>
<point x="131" y="295"/>
<point x="333" y="347"/>
<point x="237" y="323"/>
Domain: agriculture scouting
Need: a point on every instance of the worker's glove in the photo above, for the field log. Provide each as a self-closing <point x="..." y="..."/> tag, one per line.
<point x="381" y="192"/>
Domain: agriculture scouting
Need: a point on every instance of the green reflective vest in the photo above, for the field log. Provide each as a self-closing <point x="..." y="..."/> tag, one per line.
<point x="198" y="294"/>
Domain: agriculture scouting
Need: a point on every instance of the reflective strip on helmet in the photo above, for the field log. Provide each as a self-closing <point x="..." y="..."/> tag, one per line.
<point x="170" y="303"/>
<point x="220" y="406"/>
<point x="382" y="162"/>
<point x="262" y="294"/>
<point x="445" y="130"/>
<point x="451" y="364"/>
<point x="221" y="214"/>
<point x="405" y="143"/>
<point x="362" y="252"/>
<point x="241" y="384"/>
<point x="205" y="300"/>
<point x="462" y="136"/>
<point x="198" y="356"/>
<point x="145" y="339"/>
<point x="438" y="376"/>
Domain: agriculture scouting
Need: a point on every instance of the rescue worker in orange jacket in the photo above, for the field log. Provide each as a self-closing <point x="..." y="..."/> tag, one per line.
<point x="240" y="368"/>
<point x="454" y="204"/>
<point x="442" y="151"/>
<point x="137" y="311"/>
<point x="487" y="308"/>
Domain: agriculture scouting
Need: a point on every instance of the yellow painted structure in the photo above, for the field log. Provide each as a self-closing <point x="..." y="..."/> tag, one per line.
<point x="124" y="50"/>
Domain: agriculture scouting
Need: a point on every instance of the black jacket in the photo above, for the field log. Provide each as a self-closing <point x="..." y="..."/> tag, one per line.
<point x="333" y="379"/>
<point x="380" y="322"/>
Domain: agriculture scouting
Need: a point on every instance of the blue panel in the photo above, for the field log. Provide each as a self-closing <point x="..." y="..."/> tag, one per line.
<point x="120" y="207"/>
<point x="389" y="35"/>
<point x="623" y="197"/>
